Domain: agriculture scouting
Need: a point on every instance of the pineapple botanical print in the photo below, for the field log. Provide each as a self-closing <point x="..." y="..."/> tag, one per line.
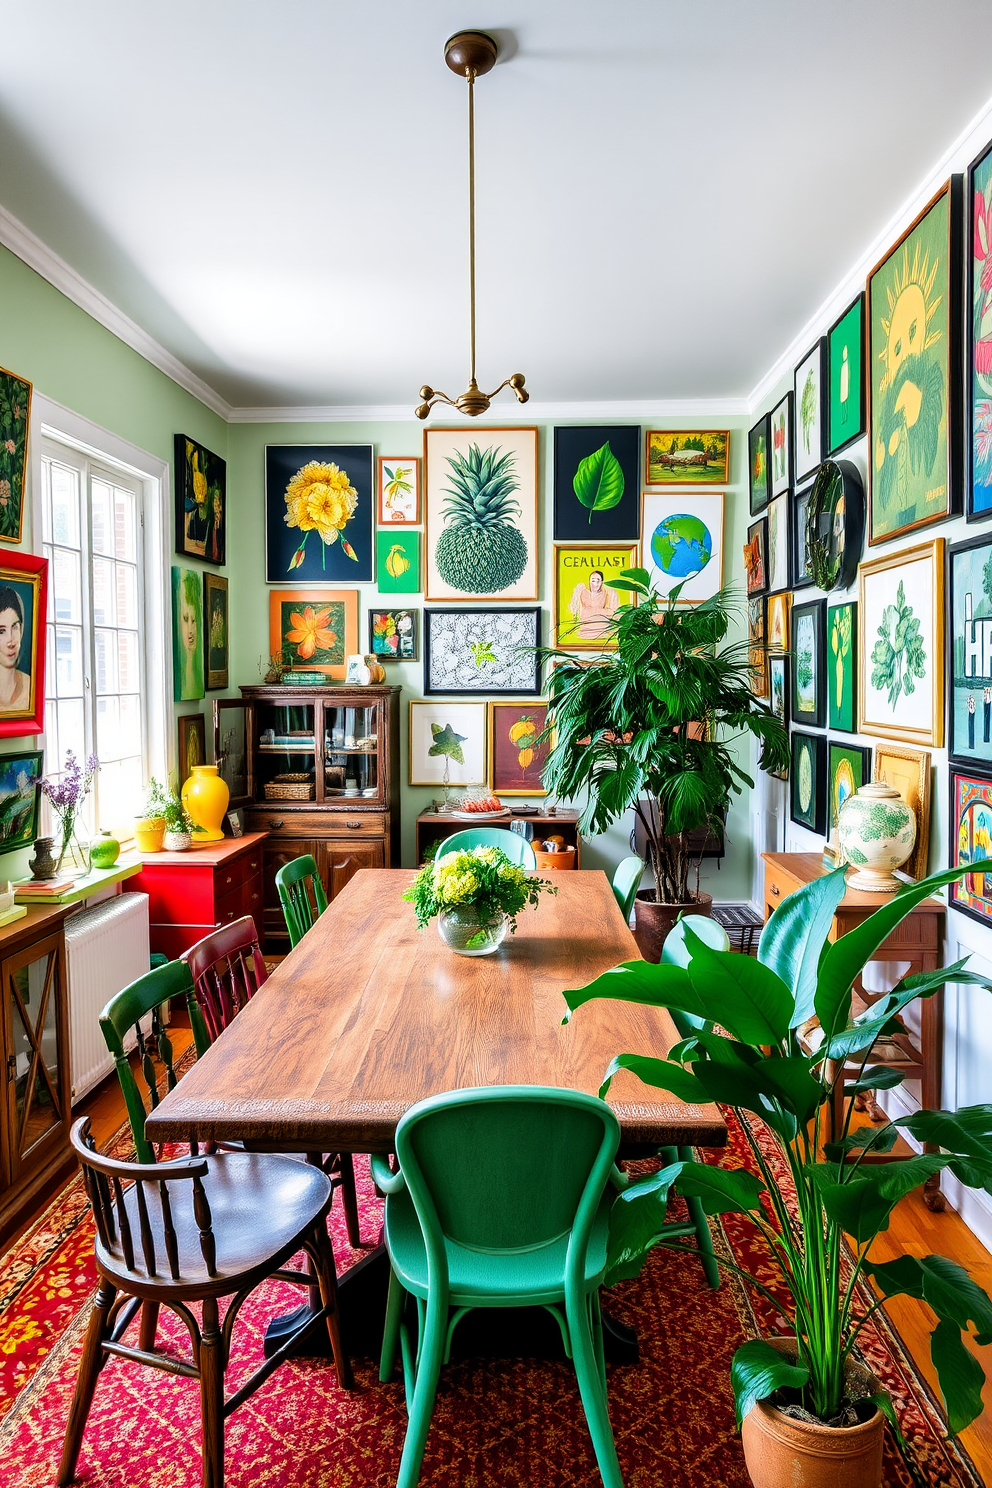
<point x="482" y="651"/>
<point x="481" y="514"/>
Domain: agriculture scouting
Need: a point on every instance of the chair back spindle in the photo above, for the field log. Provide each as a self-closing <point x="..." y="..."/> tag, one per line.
<point x="227" y="969"/>
<point x="301" y="895"/>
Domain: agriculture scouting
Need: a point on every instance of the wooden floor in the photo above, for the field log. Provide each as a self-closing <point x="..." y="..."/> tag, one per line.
<point x="914" y="1231"/>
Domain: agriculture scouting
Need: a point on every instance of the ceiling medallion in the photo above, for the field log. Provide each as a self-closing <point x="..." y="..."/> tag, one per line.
<point x="471" y="54"/>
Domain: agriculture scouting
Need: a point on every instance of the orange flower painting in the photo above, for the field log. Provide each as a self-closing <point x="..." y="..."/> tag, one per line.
<point x="310" y="632"/>
<point x="314" y="632"/>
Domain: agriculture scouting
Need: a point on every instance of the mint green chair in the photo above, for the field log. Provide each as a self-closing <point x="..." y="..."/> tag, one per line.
<point x="675" y="953"/>
<point x="517" y="849"/>
<point x="301" y="895"/>
<point x="626" y="882"/>
<point x="502" y="1199"/>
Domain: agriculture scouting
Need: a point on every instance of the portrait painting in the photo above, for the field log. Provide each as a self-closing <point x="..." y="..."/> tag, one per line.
<point x="187" y="634"/>
<point x="846" y="377"/>
<point x="480" y="519"/>
<point x="596" y="483"/>
<point x="901" y="645"/>
<point x="314" y="631"/>
<point x="842" y="651"/>
<point x="758" y="466"/>
<point x="682" y="542"/>
<point x="318" y="514"/>
<point x="517" y="754"/>
<point x="15" y="419"/>
<point x="23" y="608"/>
<point x="448" y="743"/>
<point x="399" y="491"/>
<point x="393" y="635"/>
<point x="970" y="842"/>
<point x="192" y="745"/>
<point x="584" y="603"/>
<point x="482" y="651"/>
<point x="20" y="775"/>
<point x="216" y="621"/>
<point x="397" y="562"/>
<point x="914" y="381"/>
<point x="201" y="502"/>
<point x="677" y="457"/>
<point x="808" y="406"/>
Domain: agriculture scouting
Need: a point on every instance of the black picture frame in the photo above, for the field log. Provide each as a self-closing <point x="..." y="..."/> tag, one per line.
<point x="350" y="558"/>
<point x="833" y="449"/>
<point x="19" y="807"/>
<point x="980" y="763"/>
<point x="984" y="512"/>
<point x="757" y="534"/>
<point x="759" y="490"/>
<point x="800" y="573"/>
<point x="863" y="751"/>
<point x="444" y="672"/>
<point x="982" y="777"/>
<point x="413" y="654"/>
<point x="787" y="401"/>
<point x="203" y="537"/>
<point x="817" y="610"/>
<point x="814" y="819"/>
<point x="818" y="348"/>
<point x="618" y="523"/>
<point x="836" y="514"/>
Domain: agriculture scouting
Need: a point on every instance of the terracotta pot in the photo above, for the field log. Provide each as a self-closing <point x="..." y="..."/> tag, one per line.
<point x="653" y="921"/>
<point x="782" y="1452"/>
<point x="205" y="796"/>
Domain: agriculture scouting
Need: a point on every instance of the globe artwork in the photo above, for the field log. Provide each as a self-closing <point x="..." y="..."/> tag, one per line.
<point x="681" y="545"/>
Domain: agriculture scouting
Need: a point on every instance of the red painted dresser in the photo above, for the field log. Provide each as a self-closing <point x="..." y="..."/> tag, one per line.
<point x="190" y="893"/>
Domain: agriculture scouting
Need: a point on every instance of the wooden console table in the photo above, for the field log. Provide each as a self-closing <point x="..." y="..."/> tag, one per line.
<point x="916" y="940"/>
<point x="434" y="826"/>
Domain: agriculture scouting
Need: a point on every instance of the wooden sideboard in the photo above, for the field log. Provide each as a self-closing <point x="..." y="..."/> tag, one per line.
<point x="35" y="1114"/>
<point x="433" y="827"/>
<point x="916" y="941"/>
<point x="190" y="893"/>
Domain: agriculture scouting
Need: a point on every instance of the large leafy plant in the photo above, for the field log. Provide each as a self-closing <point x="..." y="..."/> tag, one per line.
<point x="742" y="1048"/>
<point x="650" y="726"/>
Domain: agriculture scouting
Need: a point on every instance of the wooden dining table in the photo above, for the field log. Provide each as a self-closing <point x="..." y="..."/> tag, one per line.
<point x="368" y="1015"/>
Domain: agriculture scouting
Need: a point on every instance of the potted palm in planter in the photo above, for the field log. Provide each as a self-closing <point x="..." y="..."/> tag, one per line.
<point x="649" y="727"/>
<point x="809" y="1414"/>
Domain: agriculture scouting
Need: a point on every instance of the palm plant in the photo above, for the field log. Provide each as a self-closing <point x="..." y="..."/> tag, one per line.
<point x="650" y="727"/>
<point x="755" y="1063"/>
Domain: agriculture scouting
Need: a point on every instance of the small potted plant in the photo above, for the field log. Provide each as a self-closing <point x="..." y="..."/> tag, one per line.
<point x="179" y="825"/>
<point x="149" y="827"/>
<point x="476" y="894"/>
<point x="808" y="1408"/>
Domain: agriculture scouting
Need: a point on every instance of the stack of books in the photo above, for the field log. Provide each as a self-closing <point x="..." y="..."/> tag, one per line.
<point x="43" y="888"/>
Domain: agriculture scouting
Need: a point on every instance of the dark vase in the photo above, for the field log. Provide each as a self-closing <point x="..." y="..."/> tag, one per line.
<point x="653" y="921"/>
<point x="42" y="865"/>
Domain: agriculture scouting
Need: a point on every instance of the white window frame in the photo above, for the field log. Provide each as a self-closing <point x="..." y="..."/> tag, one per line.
<point x="53" y="423"/>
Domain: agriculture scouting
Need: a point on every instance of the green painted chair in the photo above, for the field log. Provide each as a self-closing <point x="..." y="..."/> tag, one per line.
<point x="502" y="1198"/>
<point x="674" y="953"/>
<point x="626" y="882"/>
<point x="301" y="895"/>
<point x="517" y="849"/>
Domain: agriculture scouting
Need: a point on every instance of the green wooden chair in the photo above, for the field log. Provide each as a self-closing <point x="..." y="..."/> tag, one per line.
<point x="626" y="882"/>
<point x="301" y="895"/>
<point x="517" y="849"/>
<point x="502" y="1199"/>
<point x="674" y="953"/>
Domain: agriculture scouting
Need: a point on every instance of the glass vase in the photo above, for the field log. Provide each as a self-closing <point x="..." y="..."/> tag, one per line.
<point x="463" y="931"/>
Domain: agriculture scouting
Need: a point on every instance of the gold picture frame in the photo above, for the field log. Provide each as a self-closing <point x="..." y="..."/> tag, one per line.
<point x="778" y="623"/>
<point x="909" y="772"/>
<point x="507" y="775"/>
<point x="901" y="691"/>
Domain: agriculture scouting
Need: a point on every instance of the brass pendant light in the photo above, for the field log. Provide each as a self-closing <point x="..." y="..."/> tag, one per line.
<point x="471" y="54"/>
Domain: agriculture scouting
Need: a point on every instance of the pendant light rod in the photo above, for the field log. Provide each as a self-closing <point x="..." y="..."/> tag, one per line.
<point x="471" y="54"/>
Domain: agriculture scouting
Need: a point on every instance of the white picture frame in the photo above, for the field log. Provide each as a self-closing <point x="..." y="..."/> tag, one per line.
<point x="658" y="510"/>
<point x="469" y="721"/>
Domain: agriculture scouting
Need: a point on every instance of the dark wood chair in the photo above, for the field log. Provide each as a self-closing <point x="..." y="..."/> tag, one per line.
<point x="242" y="1217"/>
<point x="227" y="969"/>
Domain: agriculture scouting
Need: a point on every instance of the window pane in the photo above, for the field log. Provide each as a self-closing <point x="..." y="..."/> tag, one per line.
<point x="127" y="595"/>
<point x="124" y="524"/>
<point x="101" y="519"/>
<point x="52" y="749"/>
<point x="68" y="662"/>
<point x="128" y="661"/>
<point x="103" y="592"/>
<point x="118" y="793"/>
<point x="130" y="730"/>
<point x="71" y="733"/>
<point x="66" y="593"/>
<point x="105" y="652"/>
<point x="108" y="744"/>
<point x="65" y="505"/>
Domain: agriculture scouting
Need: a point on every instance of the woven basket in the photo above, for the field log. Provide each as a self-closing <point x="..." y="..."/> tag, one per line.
<point x="289" y="788"/>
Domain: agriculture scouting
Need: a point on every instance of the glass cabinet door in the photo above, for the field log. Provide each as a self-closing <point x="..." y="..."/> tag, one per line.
<point x="351" y="752"/>
<point x="231" y="747"/>
<point x="36" y="1085"/>
<point x="286" y="750"/>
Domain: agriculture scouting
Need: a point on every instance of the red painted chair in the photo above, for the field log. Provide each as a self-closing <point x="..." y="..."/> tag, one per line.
<point x="227" y="969"/>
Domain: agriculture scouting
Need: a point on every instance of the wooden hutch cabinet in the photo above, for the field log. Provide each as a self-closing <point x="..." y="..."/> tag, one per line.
<point x="317" y="768"/>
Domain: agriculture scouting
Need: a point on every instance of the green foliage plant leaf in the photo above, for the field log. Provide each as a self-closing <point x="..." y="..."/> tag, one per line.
<point x="959" y="1375"/>
<point x="643" y="982"/>
<point x="757" y="1371"/>
<point x="661" y="1074"/>
<point x="636" y="1221"/>
<point x="879" y="1078"/>
<point x="598" y="482"/>
<point x="720" y="1190"/>
<point x="631" y="581"/>
<point x="862" y="1205"/>
<point x="746" y="997"/>
<point x="795" y="934"/>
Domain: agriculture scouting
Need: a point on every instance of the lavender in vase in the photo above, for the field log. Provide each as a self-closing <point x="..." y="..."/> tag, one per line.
<point x="66" y="794"/>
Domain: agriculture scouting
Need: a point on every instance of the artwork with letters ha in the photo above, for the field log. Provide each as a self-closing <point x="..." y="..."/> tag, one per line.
<point x="969" y="658"/>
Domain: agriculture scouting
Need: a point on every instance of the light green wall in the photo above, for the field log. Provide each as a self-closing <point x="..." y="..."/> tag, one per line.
<point x="250" y="613"/>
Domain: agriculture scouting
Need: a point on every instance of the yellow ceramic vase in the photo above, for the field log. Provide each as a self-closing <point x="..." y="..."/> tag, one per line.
<point x="205" y="796"/>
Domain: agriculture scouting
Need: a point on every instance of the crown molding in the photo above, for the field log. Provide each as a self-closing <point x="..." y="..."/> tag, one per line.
<point x="38" y="256"/>
<point x="393" y="413"/>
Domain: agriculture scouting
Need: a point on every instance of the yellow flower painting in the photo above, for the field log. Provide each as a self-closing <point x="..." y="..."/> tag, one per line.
<point x="319" y="513"/>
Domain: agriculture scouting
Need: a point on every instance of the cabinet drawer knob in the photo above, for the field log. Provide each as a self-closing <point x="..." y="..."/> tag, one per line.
<point x="355" y="826"/>
<point x="228" y="879"/>
<point x="275" y="825"/>
<point x="254" y="867"/>
<point x="775" y="890"/>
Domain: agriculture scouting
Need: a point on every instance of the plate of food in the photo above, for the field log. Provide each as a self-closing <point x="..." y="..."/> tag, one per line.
<point x="480" y="808"/>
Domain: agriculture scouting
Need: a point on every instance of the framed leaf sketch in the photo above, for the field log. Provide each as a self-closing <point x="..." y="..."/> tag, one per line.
<point x="482" y="651"/>
<point x="777" y="627"/>
<point x="201" y="502"/>
<point x="480" y="534"/>
<point x="914" y="384"/>
<point x="596" y="483"/>
<point x="808" y="782"/>
<point x="318" y="514"/>
<point x="969" y="653"/>
<point x="809" y="409"/>
<point x="969" y="840"/>
<point x="584" y="604"/>
<point x="516" y="758"/>
<point x="846" y="377"/>
<point x="447" y="743"/>
<point x="848" y="769"/>
<point x="809" y="672"/>
<point x="979" y="305"/>
<point x="908" y="771"/>
<point x="842" y="652"/>
<point x="15" y="419"/>
<point x="676" y="457"/>
<point x="398" y="487"/>
<point x="777" y="517"/>
<point x="901" y="647"/>
<point x="758" y="467"/>
<point x="802" y="575"/>
<point x="756" y="556"/>
<point x="780" y="435"/>
<point x="682" y="542"/>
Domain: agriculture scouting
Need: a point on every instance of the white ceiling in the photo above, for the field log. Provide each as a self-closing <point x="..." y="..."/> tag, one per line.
<point x="667" y="188"/>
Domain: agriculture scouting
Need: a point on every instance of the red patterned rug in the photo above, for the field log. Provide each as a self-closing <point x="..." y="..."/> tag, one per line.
<point x="498" y="1424"/>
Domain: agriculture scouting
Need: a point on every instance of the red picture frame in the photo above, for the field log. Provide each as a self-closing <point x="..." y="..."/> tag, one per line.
<point x="22" y="702"/>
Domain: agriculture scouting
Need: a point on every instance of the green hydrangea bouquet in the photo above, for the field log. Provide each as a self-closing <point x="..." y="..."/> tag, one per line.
<point x="476" y="894"/>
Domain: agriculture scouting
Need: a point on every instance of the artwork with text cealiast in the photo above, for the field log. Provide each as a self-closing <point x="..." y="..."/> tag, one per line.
<point x="970" y="571"/>
<point x="584" y="602"/>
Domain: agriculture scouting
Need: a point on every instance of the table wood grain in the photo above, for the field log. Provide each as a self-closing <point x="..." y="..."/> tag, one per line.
<point x="368" y="1015"/>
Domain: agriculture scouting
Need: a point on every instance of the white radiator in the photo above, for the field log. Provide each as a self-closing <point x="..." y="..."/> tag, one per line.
<point x="106" y="948"/>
